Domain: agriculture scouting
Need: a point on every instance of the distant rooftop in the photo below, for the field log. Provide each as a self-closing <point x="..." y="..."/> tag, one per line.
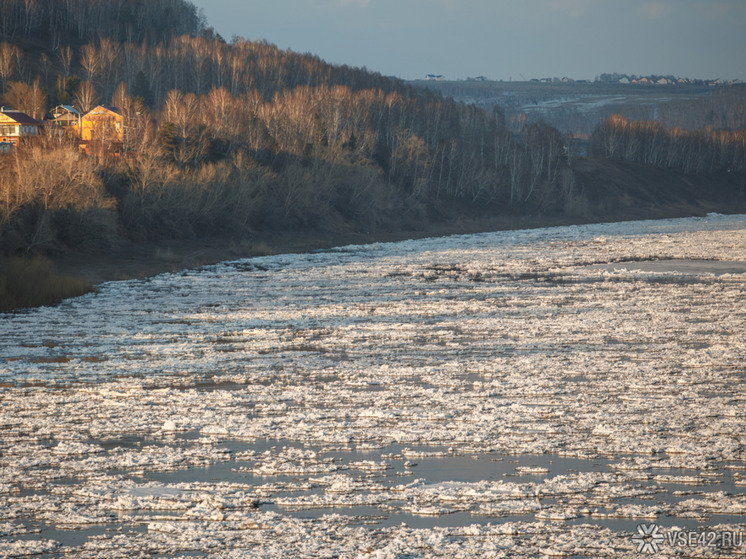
<point x="19" y="116"/>
<point x="68" y="108"/>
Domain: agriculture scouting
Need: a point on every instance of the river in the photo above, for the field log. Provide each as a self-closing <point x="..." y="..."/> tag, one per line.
<point x="506" y="394"/>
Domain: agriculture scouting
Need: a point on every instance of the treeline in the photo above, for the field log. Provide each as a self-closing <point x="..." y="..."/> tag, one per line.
<point x="698" y="152"/>
<point x="723" y="109"/>
<point x="91" y="71"/>
<point x="228" y="139"/>
<point x="309" y="157"/>
<point x="427" y="149"/>
<point x="134" y="21"/>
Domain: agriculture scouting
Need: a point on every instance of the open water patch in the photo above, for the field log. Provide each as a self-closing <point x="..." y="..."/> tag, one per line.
<point x="684" y="266"/>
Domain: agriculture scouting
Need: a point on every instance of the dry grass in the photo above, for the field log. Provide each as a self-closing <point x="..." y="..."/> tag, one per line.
<point x="32" y="282"/>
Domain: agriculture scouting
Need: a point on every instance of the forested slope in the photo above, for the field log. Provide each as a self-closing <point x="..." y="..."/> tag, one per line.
<point x="232" y="139"/>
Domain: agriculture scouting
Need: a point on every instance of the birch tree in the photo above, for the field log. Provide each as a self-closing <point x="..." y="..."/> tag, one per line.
<point x="8" y="56"/>
<point x="85" y="97"/>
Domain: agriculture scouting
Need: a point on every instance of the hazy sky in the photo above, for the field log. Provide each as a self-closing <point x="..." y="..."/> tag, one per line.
<point x="501" y="39"/>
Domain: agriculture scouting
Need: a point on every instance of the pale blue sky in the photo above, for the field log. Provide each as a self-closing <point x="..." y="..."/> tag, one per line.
<point x="501" y="39"/>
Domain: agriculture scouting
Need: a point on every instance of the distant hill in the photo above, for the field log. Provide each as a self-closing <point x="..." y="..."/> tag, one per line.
<point x="152" y="47"/>
<point x="577" y="107"/>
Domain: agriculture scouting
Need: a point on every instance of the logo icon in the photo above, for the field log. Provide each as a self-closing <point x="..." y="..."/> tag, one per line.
<point x="648" y="539"/>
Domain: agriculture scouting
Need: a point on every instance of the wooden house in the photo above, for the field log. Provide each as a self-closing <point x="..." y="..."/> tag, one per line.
<point x="65" y="119"/>
<point x="14" y="126"/>
<point x="102" y="130"/>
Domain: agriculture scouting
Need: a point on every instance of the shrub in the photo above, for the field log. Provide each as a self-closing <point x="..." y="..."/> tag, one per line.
<point x="51" y="196"/>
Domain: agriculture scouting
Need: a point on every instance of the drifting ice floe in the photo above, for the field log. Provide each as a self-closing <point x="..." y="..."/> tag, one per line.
<point x="515" y="394"/>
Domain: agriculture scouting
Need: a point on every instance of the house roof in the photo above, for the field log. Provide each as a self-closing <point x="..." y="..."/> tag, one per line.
<point x="8" y="115"/>
<point x="61" y="109"/>
<point x="104" y="108"/>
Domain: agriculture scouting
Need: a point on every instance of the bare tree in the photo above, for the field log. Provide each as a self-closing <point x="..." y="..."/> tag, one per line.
<point x="181" y="110"/>
<point x="409" y="162"/>
<point x="121" y="99"/>
<point x="59" y="178"/>
<point x="90" y="61"/>
<point x="174" y="99"/>
<point x="38" y="100"/>
<point x="136" y="127"/>
<point x="218" y="59"/>
<point x="238" y="68"/>
<point x="31" y="99"/>
<point x="219" y="109"/>
<point x="23" y="67"/>
<point x="32" y="15"/>
<point x="516" y="168"/>
<point x="131" y="61"/>
<point x="8" y="57"/>
<point x="109" y="56"/>
<point x="65" y="58"/>
<point x="45" y="65"/>
<point x="85" y="97"/>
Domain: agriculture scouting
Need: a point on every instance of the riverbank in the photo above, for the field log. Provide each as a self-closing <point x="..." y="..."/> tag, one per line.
<point x="607" y="191"/>
<point x="137" y="260"/>
<point x="47" y="280"/>
<point x="43" y="281"/>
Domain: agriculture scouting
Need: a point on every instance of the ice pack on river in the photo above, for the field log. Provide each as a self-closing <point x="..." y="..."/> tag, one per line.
<point x="572" y="391"/>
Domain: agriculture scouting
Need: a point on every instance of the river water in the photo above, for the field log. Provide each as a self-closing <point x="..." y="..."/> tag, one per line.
<point x="508" y="394"/>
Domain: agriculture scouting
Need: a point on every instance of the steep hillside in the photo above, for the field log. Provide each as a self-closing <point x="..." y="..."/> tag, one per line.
<point x="245" y="141"/>
<point x="152" y="47"/>
<point x="622" y="190"/>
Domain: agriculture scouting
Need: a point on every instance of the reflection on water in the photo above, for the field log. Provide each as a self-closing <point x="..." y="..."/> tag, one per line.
<point x="437" y="465"/>
<point x="434" y="468"/>
<point x="678" y="265"/>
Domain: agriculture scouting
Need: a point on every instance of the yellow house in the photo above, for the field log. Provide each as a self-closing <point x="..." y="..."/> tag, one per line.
<point x="102" y="130"/>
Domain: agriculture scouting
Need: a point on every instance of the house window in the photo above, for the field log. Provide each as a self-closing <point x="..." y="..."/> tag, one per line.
<point x="8" y="130"/>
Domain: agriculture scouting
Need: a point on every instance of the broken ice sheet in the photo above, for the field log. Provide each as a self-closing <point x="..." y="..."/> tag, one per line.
<point x="511" y="393"/>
